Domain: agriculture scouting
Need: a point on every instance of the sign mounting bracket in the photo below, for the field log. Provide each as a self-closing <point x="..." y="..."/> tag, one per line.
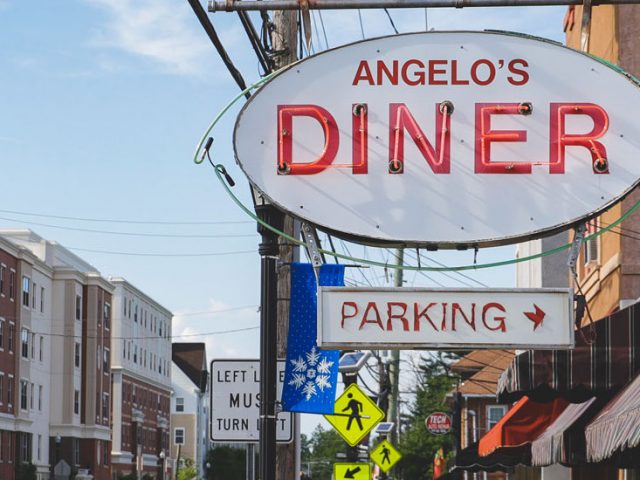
<point x="578" y="239"/>
<point x="312" y="244"/>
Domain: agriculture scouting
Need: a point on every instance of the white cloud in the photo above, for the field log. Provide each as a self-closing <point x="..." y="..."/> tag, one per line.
<point x="191" y="326"/>
<point x="160" y="30"/>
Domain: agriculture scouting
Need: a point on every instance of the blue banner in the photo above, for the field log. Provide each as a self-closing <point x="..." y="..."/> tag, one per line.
<point x="311" y="374"/>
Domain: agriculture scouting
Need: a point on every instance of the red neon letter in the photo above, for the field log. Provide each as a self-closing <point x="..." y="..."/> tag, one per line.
<point x="285" y="139"/>
<point x="400" y="118"/>
<point x="560" y="139"/>
<point x="360" y="135"/>
<point x="485" y="136"/>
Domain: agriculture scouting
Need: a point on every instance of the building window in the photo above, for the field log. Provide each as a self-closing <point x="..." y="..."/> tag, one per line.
<point x="179" y="404"/>
<point x="31" y="392"/>
<point x="106" y="314"/>
<point x="2" y="272"/>
<point x="1" y="387"/>
<point x="23" y="394"/>
<point x="178" y="438"/>
<point x="39" y="446"/>
<point x="160" y="330"/>
<point x="77" y="355"/>
<point x="129" y="308"/>
<point x="105" y="454"/>
<point x="10" y="390"/>
<point x="24" y="447"/>
<point x="590" y="248"/>
<point x="135" y="354"/>
<point x="1" y="334"/>
<point x="78" y="307"/>
<point x="26" y="290"/>
<point x="135" y="315"/>
<point x="76" y="450"/>
<point x="105" y="365"/>
<point x="12" y="334"/>
<point x="105" y="406"/>
<point x="33" y="298"/>
<point x="41" y="299"/>
<point x="76" y="402"/>
<point x="33" y="345"/>
<point x="98" y="357"/>
<point x="40" y="398"/>
<point x="24" y="340"/>
<point x="494" y="414"/>
<point x="125" y="306"/>
<point x="12" y="285"/>
<point x="41" y="353"/>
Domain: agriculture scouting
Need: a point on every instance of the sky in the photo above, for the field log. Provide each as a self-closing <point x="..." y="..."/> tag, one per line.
<point x="102" y="103"/>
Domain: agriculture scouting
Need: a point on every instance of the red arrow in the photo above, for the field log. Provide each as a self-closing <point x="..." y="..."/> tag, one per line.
<point x="536" y="317"/>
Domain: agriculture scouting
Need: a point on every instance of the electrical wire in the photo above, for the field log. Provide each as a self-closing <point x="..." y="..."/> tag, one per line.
<point x="145" y="254"/>
<point x="154" y="337"/>
<point x="361" y="25"/>
<point x="131" y="234"/>
<point x="140" y="222"/>
<point x="324" y="32"/>
<point x="393" y="25"/>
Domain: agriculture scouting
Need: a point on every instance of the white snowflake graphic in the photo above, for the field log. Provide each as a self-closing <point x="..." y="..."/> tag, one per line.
<point x="311" y="373"/>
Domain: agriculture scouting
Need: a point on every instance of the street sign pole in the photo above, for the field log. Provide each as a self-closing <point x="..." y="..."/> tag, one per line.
<point x="268" y="250"/>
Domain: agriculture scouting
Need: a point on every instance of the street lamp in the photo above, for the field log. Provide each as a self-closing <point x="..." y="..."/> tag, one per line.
<point x="162" y="456"/>
<point x="58" y="442"/>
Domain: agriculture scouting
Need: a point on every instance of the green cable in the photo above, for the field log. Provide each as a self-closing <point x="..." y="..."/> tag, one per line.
<point x="224" y="111"/>
<point x="220" y="172"/>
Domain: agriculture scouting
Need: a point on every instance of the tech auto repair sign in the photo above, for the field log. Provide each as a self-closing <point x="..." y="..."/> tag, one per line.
<point x="443" y="138"/>
<point x="402" y="318"/>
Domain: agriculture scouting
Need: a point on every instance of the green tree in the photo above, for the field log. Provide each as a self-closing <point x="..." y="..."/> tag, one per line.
<point x="227" y="463"/>
<point x="188" y="470"/>
<point x="318" y="452"/>
<point x="433" y="380"/>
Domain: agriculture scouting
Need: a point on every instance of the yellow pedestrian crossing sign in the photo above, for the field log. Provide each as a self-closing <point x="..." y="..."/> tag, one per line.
<point x="385" y="455"/>
<point x="351" y="471"/>
<point x="354" y="415"/>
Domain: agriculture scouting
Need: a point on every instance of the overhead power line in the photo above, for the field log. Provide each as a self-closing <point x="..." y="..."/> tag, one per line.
<point x="140" y="222"/>
<point x="131" y="234"/>
<point x="147" y="254"/>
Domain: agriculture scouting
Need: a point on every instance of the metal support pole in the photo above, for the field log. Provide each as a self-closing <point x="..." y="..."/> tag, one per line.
<point x="268" y="338"/>
<point x="237" y="5"/>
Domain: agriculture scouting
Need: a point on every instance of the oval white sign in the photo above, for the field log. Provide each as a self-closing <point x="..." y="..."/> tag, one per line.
<point x="443" y="138"/>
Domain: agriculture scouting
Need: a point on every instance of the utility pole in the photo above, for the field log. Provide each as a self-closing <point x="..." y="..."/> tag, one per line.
<point x="394" y="366"/>
<point x="284" y="41"/>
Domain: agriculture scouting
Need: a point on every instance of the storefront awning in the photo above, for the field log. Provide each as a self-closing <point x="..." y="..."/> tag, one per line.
<point x="616" y="429"/>
<point x="521" y="425"/>
<point x="591" y="369"/>
<point x="469" y="460"/>
<point x="553" y="446"/>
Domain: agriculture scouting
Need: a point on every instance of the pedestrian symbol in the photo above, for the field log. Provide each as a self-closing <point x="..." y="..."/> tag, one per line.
<point x="355" y="415"/>
<point x="351" y="471"/>
<point x="385" y="455"/>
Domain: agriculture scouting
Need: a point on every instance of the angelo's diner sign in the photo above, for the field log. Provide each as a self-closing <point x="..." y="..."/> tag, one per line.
<point x="443" y="139"/>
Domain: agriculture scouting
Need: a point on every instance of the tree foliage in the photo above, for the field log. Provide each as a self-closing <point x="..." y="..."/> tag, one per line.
<point x="433" y="380"/>
<point x="318" y="452"/>
<point x="227" y="463"/>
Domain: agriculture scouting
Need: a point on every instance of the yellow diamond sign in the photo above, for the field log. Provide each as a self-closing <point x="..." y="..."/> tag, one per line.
<point x="351" y="471"/>
<point x="354" y="415"/>
<point x="385" y="455"/>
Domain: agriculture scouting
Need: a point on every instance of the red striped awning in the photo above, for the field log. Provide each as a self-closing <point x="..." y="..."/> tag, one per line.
<point x="521" y="425"/>
<point x="590" y="369"/>
<point x="556" y="445"/>
<point x="616" y="428"/>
